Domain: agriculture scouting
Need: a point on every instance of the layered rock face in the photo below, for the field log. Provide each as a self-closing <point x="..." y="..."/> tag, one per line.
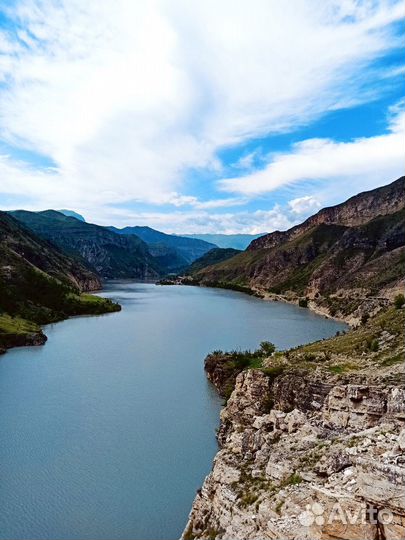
<point x="356" y="211"/>
<point x="309" y="453"/>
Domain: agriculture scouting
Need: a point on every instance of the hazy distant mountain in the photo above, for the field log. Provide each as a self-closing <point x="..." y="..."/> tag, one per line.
<point x="236" y="241"/>
<point x="111" y="255"/>
<point x="71" y="213"/>
<point x="188" y="249"/>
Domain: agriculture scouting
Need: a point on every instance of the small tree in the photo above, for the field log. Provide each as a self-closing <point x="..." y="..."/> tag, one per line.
<point x="399" y="301"/>
<point x="303" y="302"/>
<point x="364" y="318"/>
<point x="267" y="348"/>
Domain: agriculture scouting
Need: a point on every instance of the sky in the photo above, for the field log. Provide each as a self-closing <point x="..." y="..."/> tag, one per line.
<point x="193" y="116"/>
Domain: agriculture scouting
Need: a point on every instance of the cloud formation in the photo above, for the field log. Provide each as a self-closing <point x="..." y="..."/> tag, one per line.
<point x="371" y="159"/>
<point x="127" y="99"/>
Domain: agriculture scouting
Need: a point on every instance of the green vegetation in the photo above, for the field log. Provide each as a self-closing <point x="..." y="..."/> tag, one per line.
<point x="274" y="371"/>
<point x="231" y="363"/>
<point x="15" y="331"/>
<point x="213" y="256"/>
<point x="399" y="301"/>
<point x="303" y="302"/>
<point x="16" y="325"/>
<point x="392" y="360"/>
<point x="39" y="285"/>
<point x="292" y="480"/>
<point x="231" y="286"/>
<point x="359" y="340"/>
<point x="267" y="348"/>
<point x="341" y="368"/>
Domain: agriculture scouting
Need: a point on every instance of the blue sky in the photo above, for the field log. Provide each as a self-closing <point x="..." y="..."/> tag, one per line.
<point x="195" y="116"/>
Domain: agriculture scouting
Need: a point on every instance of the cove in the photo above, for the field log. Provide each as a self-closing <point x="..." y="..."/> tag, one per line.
<point x="107" y="431"/>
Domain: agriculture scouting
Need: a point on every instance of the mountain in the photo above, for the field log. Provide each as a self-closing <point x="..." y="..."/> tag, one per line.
<point x="111" y="255"/>
<point x="189" y="249"/>
<point x="71" y="213"/>
<point x="346" y="259"/>
<point x="213" y="256"/>
<point x="236" y="241"/>
<point x="39" y="284"/>
<point x="355" y="211"/>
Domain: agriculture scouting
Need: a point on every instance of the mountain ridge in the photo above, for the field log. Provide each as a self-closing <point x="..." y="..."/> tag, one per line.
<point x="188" y="249"/>
<point x="111" y="255"/>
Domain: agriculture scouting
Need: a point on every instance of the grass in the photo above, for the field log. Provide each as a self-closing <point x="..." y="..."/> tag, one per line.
<point x="342" y="368"/>
<point x="360" y="339"/>
<point x="16" y="325"/>
<point x="89" y="304"/>
<point x="16" y="331"/>
<point x="392" y="360"/>
<point x="293" y="480"/>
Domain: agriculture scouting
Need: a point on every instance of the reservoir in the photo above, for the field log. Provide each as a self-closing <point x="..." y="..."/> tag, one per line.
<point x="108" y="430"/>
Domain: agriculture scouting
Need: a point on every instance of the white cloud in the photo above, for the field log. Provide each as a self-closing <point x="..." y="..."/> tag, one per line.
<point x="304" y="205"/>
<point x="364" y="162"/>
<point x="126" y="97"/>
<point x="198" y="221"/>
<point x="247" y="161"/>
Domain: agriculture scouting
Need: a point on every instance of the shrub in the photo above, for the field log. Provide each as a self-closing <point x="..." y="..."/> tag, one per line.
<point x="303" y="302"/>
<point x="399" y="301"/>
<point x="292" y="480"/>
<point x="267" y="348"/>
<point x="364" y="318"/>
<point x="273" y="372"/>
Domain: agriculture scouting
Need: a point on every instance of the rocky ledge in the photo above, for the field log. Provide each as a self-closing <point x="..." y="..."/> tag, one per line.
<point x="27" y="339"/>
<point x="310" y="449"/>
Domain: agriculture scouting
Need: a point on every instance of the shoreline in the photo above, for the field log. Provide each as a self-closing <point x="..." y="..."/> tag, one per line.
<point x="26" y="333"/>
<point x="261" y="295"/>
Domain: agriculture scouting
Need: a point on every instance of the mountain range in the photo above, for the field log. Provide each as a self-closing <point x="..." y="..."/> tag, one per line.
<point x="173" y="252"/>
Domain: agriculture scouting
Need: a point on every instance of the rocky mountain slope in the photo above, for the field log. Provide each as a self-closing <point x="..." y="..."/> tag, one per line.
<point x="186" y="250"/>
<point x="39" y="284"/>
<point x="356" y="211"/>
<point x="111" y="255"/>
<point x="347" y="260"/>
<point x="312" y="441"/>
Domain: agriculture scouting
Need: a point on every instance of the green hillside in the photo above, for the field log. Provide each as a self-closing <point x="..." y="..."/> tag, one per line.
<point x="213" y="256"/>
<point x="40" y="284"/>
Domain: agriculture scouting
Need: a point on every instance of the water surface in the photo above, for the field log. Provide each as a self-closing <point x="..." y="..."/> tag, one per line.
<point x="107" y="431"/>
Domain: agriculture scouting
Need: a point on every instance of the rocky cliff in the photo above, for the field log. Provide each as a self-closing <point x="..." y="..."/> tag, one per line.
<point x="312" y="444"/>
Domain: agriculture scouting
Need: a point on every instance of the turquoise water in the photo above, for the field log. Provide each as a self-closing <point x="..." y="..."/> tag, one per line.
<point x="107" y="431"/>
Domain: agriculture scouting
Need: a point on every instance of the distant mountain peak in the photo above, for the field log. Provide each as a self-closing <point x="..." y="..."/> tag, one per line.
<point x="71" y="213"/>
